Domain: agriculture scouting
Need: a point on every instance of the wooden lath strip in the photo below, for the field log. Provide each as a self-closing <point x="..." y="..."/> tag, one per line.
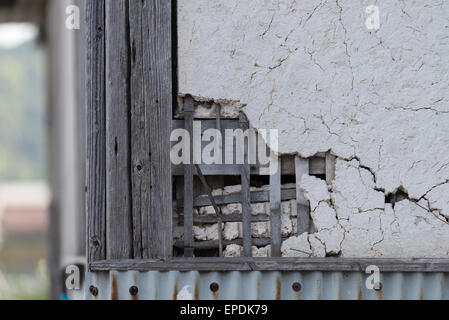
<point x="246" y="200"/>
<point x="275" y="211"/>
<point x="302" y="206"/>
<point x="96" y="130"/>
<point x="212" y="218"/>
<point x="330" y="168"/>
<point x="213" y="244"/>
<point x="255" y="196"/>
<point x="216" y="208"/>
<point x="188" y="182"/>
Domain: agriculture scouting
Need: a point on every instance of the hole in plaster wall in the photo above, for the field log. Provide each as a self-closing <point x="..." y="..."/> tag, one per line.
<point x="288" y="179"/>
<point x="334" y="255"/>
<point x="259" y="181"/>
<point x="320" y="176"/>
<point x="397" y="196"/>
<point x="207" y="109"/>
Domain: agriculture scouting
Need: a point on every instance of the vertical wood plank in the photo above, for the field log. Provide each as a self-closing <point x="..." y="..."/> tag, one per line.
<point x="157" y="70"/>
<point x="188" y="181"/>
<point x="302" y="168"/>
<point x="96" y="129"/>
<point x="246" y="201"/>
<point x="140" y="144"/>
<point x="220" y="223"/>
<point x="330" y="168"/>
<point x="275" y="211"/>
<point x="118" y="185"/>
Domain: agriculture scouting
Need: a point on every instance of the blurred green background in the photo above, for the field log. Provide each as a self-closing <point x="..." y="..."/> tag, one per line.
<point x="22" y="112"/>
<point x="23" y="267"/>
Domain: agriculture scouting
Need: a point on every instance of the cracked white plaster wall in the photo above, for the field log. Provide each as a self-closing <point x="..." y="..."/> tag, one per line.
<point x="377" y="99"/>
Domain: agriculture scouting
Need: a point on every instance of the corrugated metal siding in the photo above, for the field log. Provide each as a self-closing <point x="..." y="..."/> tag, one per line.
<point x="266" y="285"/>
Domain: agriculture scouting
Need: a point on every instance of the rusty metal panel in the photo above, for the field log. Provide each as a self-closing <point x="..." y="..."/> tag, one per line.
<point x="263" y="285"/>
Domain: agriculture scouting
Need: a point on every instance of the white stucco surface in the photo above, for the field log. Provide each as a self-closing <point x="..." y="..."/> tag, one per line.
<point x="378" y="100"/>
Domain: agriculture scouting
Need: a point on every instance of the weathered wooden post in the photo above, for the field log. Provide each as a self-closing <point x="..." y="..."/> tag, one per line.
<point x="129" y="114"/>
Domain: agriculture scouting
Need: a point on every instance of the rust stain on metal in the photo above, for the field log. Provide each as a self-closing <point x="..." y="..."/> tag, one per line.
<point x="378" y="290"/>
<point x="196" y="293"/>
<point x="278" y="288"/>
<point x="114" y="287"/>
<point x="175" y="290"/>
<point x="258" y="288"/>
<point x="359" y="291"/>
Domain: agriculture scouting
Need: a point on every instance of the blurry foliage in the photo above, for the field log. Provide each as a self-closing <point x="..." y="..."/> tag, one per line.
<point x="25" y="286"/>
<point x="22" y="112"/>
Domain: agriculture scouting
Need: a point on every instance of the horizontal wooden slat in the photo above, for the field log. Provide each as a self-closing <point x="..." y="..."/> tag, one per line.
<point x="213" y="244"/>
<point x="235" y="217"/>
<point x="316" y="166"/>
<point x="256" y="196"/>
<point x="275" y="264"/>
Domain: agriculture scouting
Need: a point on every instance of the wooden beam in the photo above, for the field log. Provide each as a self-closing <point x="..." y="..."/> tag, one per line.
<point x="276" y="264"/>
<point x="151" y="109"/>
<point x="140" y="134"/>
<point x="96" y="129"/>
<point x="157" y="66"/>
<point x="118" y="184"/>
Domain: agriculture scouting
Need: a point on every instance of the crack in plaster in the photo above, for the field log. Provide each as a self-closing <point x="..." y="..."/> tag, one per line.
<point x="376" y="99"/>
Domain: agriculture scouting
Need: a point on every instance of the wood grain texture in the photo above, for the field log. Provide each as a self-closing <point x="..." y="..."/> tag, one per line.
<point x="214" y="244"/>
<point x="234" y="217"/>
<point x="157" y="69"/>
<point x="275" y="212"/>
<point x="255" y="196"/>
<point x="96" y="129"/>
<point x="277" y="264"/>
<point x="188" y="182"/>
<point x="118" y="184"/>
<point x="302" y="204"/>
<point x="140" y="134"/>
